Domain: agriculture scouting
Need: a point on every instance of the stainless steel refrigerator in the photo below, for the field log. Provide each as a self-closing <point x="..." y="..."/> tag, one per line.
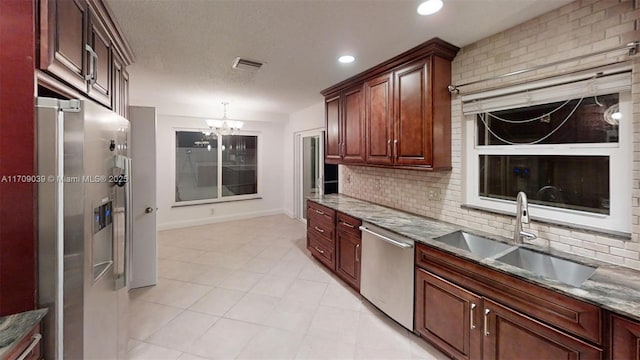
<point x="84" y="227"/>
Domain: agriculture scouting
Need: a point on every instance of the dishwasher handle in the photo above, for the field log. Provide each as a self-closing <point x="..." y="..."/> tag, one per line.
<point x="391" y="241"/>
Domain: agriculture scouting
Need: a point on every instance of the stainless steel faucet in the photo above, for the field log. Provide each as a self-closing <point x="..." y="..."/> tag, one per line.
<point x="522" y="217"/>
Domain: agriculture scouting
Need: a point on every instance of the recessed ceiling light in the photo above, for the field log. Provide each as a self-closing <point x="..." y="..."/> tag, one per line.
<point x="346" y="59"/>
<point x="430" y="7"/>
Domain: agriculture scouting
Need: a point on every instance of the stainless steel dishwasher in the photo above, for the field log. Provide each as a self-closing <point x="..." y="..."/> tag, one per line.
<point x="387" y="270"/>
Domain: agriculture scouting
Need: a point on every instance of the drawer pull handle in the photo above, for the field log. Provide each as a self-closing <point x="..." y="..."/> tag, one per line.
<point x="319" y="212"/>
<point x="320" y="251"/>
<point x="34" y="341"/>
<point x="318" y="229"/>
<point x="486" y="322"/>
<point x="471" y="320"/>
<point x="347" y="225"/>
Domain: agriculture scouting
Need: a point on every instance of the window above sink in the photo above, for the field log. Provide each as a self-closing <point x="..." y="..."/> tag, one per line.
<point x="566" y="144"/>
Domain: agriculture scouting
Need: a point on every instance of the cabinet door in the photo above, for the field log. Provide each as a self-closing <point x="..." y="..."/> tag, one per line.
<point x="333" y="139"/>
<point x="62" y="40"/>
<point x="353" y="147"/>
<point x="125" y="93"/>
<point x="511" y="335"/>
<point x="117" y="100"/>
<point x="348" y="258"/>
<point x="625" y="339"/>
<point x="448" y="315"/>
<point x="378" y="120"/>
<point x="413" y="131"/>
<point x="99" y="87"/>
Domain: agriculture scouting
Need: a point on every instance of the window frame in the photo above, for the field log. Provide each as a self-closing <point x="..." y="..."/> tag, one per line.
<point x="219" y="198"/>
<point x="620" y="172"/>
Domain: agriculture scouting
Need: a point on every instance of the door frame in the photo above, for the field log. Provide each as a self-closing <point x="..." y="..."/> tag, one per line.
<point x="298" y="181"/>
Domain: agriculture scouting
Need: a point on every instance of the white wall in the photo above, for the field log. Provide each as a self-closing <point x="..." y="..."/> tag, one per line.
<point x="271" y="177"/>
<point x="308" y="118"/>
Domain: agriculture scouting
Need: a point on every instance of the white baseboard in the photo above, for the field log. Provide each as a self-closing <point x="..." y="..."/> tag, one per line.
<point x="217" y="219"/>
<point x="289" y="213"/>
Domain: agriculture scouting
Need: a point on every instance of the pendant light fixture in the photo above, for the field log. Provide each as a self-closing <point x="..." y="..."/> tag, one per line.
<point x="224" y="126"/>
<point x="430" y="7"/>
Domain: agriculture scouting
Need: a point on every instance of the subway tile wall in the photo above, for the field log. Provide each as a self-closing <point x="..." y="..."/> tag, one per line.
<point x="581" y="27"/>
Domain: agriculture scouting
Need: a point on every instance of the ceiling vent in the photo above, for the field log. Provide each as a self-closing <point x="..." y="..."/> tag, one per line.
<point x="246" y="64"/>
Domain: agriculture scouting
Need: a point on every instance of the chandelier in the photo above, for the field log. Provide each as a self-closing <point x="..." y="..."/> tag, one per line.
<point x="224" y="126"/>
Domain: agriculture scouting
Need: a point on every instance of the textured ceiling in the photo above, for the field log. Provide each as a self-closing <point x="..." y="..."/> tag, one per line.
<point x="185" y="48"/>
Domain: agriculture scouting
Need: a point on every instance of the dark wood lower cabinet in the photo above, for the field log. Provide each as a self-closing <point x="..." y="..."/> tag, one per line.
<point x="469" y="324"/>
<point x="511" y="335"/>
<point x="448" y="315"/>
<point x="334" y="239"/>
<point x="348" y="258"/>
<point x="625" y="339"/>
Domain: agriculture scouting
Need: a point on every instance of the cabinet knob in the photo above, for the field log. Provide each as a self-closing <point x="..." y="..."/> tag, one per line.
<point x="148" y="210"/>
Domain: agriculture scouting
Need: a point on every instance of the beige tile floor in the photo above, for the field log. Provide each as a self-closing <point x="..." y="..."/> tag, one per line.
<point x="249" y="289"/>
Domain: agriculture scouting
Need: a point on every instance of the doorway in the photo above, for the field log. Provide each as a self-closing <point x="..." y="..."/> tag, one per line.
<point x="309" y="169"/>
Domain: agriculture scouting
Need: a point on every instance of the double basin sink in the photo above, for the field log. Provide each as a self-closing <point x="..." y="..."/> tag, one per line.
<point x="553" y="267"/>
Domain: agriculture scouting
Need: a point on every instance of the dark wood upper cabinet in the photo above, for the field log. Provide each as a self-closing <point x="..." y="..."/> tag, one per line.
<point x="333" y="133"/>
<point x="63" y="39"/>
<point x="412" y="117"/>
<point x="99" y="59"/>
<point x="379" y="120"/>
<point x="625" y="339"/>
<point x="353" y="126"/>
<point x="125" y="93"/>
<point x="78" y="44"/>
<point x="407" y="111"/>
<point x="344" y="136"/>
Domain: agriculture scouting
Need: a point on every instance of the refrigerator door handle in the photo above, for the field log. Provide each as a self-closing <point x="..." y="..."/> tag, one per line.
<point x="129" y="221"/>
<point x="122" y="268"/>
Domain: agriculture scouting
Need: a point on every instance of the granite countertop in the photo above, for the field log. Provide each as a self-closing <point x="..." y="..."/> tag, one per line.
<point x="14" y="327"/>
<point x="612" y="287"/>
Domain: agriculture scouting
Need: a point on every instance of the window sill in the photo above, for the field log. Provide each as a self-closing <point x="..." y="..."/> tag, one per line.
<point x="596" y="231"/>
<point x="257" y="197"/>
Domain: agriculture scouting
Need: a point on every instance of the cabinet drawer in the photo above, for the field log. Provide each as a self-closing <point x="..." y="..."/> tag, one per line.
<point x="348" y="224"/>
<point x="564" y="312"/>
<point x="29" y="346"/>
<point x="321" y="228"/>
<point x="320" y="213"/>
<point x="322" y="251"/>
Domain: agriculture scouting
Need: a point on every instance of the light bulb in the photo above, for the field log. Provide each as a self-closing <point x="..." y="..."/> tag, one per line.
<point x="616" y="115"/>
<point x="346" y="59"/>
<point x="430" y="7"/>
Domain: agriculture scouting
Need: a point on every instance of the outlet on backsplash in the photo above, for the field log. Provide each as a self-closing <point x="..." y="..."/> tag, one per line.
<point x="376" y="186"/>
<point x="433" y="194"/>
